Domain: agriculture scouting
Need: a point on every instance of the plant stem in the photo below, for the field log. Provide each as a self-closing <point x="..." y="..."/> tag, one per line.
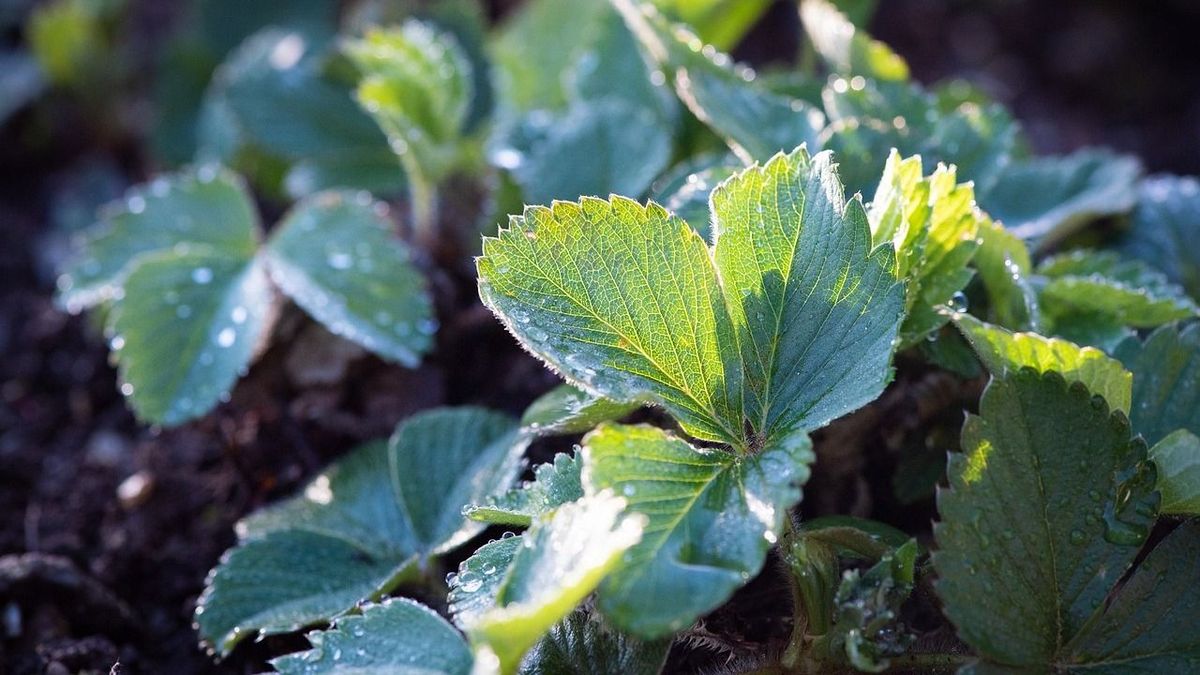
<point x="422" y="193"/>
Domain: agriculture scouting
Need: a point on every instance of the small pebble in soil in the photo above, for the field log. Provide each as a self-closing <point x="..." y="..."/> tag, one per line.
<point x="135" y="490"/>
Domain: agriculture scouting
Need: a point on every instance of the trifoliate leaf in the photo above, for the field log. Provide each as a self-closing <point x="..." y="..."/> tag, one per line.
<point x="335" y="256"/>
<point x="816" y="307"/>
<point x="1005" y="269"/>
<point x="416" y="83"/>
<point x="1003" y="351"/>
<point x="933" y="225"/>
<point x="206" y="207"/>
<point x="474" y="586"/>
<point x="363" y="526"/>
<point x="1163" y="226"/>
<point x="1047" y="507"/>
<point x="866" y="629"/>
<point x="569" y="410"/>
<point x="1177" y="458"/>
<point x="190" y="322"/>
<point x="1049" y="198"/>
<point x="1102" y="287"/>
<point x="1149" y="627"/>
<point x="554" y="484"/>
<point x="584" y="644"/>
<point x="711" y="517"/>
<point x="623" y="300"/>
<point x="396" y="636"/>
<point x="1166" y="381"/>
<point x="282" y="103"/>
<point x="846" y="49"/>
<point x="560" y="563"/>
<point x="755" y="121"/>
<point x="611" y="147"/>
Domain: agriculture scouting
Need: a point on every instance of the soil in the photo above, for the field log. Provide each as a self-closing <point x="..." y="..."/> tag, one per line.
<point x="109" y="528"/>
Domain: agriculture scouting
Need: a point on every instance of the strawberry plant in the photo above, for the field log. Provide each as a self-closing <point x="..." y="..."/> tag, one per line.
<point x="790" y="316"/>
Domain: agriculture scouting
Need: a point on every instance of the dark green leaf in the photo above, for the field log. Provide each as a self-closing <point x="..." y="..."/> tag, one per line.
<point x="1164" y="225"/>
<point x="584" y="644"/>
<point x="568" y="410"/>
<point x="554" y="484"/>
<point x="1166" y="381"/>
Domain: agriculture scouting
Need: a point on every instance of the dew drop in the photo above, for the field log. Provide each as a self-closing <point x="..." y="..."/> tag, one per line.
<point x="136" y="204"/>
<point x="202" y="275"/>
<point x="340" y="260"/>
<point x="958" y="302"/>
<point x="126" y="389"/>
<point x="226" y="337"/>
<point x="239" y="315"/>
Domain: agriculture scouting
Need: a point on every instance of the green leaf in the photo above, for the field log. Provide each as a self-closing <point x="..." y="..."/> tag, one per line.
<point x="1047" y="506"/>
<point x="190" y="322"/>
<point x="1122" y="293"/>
<point x="1003" y="351"/>
<point x="611" y="147"/>
<point x="1177" y="458"/>
<point x="562" y="561"/>
<point x="610" y="66"/>
<point x="70" y="41"/>
<point x="933" y="225"/>
<point x="684" y="189"/>
<point x="474" y="586"/>
<point x="584" y="644"/>
<point x="1166" y="381"/>
<point x="722" y="23"/>
<point x="538" y="46"/>
<point x="755" y="121"/>
<point x="334" y="254"/>
<point x="554" y="484"/>
<point x="416" y="83"/>
<point x="1049" y="198"/>
<point x="711" y="515"/>
<point x="397" y="636"/>
<point x="281" y="102"/>
<point x="867" y="629"/>
<point x="816" y="308"/>
<point x="1149" y="627"/>
<point x="363" y="526"/>
<point x="206" y="207"/>
<point x="623" y="300"/>
<point x="846" y="49"/>
<point x="568" y="410"/>
<point x="1163" y="226"/>
<point x="1005" y="269"/>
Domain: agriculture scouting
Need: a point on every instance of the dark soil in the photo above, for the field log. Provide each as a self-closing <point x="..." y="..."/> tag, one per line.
<point x="109" y="528"/>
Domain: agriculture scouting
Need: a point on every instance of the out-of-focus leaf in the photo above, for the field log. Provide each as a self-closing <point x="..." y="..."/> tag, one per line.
<point x="569" y="410"/>
<point x="1047" y="199"/>
<point x="366" y="524"/>
<point x="537" y="47"/>
<point x="68" y="39"/>
<point x="396" y="636"/>
<point x="845" y="47"/>
<point x="555" y="483"/>
<point x="1178" y="460"/>
<point x="335" y="256"/>
<point x="684" y="190"/>
<point x="1164" y="228"/>
<point x="21" y="81"/>
<point x="721" y="23"/>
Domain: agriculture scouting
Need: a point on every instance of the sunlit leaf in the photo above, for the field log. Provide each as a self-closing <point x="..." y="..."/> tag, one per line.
<point x="847" y="49"/>
<point x="567" y="410"/>
<point x="1178" y="460"/>
<point x="555" y="483"/>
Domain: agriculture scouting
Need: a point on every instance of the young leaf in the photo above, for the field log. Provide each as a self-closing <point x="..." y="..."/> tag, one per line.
<point x="866" y="628"/>
<point x="623" y="300"/>
<point x="846" y="49"/>
<point x="568" y="410"/>
<point x="363" y="526"/>
<point x="562" y="561"/>
<point x="1003" y="351"/>
<point x="584" y="644"/>
<point x="1049" y="198"/>
<point x="755" y="121"/>
<point x="1047" y="506"/>
<point x="711" y="517"/>
<point x="816" y="308"/>
<point x="1149" y="627"/>
<point x="395" y="636"/>
<point x="933" y="225"/>
<point x="335" y="256"/>
<point x="206" y="207"/>
<point x="1177" y="458"/>
<point x="473" y="588"/>
<point x="1163" y="226"/>
<point x="554" y="484"/>
<point x="1166" y="381"/>
<point x="1120" y="293"/>
<point x="191" y="321"/>
<point x="1005" y="269"/>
